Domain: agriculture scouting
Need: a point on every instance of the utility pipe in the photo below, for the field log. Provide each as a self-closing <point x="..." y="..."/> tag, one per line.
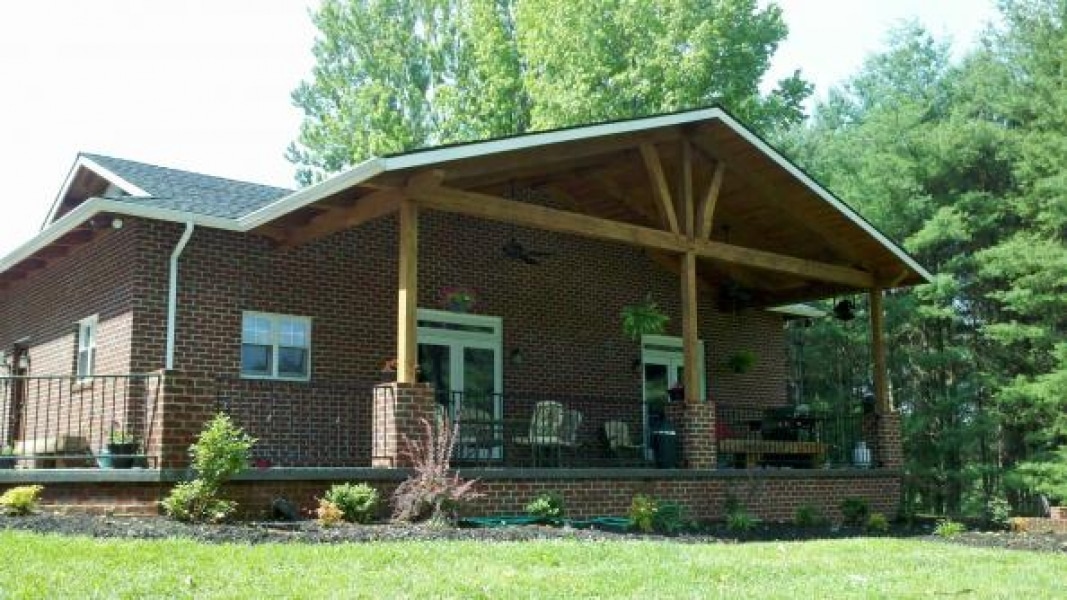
<point x="172" y="292"/>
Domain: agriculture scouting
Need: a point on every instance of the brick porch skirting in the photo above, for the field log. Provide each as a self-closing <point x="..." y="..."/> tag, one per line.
<point x="771" y="494"/>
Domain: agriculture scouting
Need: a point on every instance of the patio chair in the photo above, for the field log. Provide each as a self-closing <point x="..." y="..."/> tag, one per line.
<point x="617" y="436"/>
<point x="546" y="429"/>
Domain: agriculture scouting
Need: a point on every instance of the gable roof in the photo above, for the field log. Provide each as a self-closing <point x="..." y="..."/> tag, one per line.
<point x="165" y="188"/>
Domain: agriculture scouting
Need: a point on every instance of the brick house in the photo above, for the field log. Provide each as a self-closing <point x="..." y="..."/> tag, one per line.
<point x="492" y="275"/>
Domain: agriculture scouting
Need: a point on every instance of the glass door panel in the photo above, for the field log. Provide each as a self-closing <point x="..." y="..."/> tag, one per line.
<point x="435" y="368"/>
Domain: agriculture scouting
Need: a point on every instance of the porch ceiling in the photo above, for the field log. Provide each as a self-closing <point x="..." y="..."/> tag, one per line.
<point x="772" y="233"/>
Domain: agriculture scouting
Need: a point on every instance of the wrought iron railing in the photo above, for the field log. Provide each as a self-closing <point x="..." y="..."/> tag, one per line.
<point x="76" y="422"/>
<point x="788" y="437"/>
<point x="320" y="423"/>
<point x="526" y="429"/>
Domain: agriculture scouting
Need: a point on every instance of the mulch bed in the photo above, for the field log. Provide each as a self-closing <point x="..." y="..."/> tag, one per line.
<point x="311" y="532"/>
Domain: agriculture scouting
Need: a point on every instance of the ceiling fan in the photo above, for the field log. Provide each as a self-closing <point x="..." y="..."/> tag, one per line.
<point x="516" y="251"/>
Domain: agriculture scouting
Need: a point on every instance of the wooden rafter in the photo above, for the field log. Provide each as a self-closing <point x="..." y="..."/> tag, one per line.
<point x="685" y="188"/>
<point x="706" y="210"/>
<point x="508" y="211"/>
<point x="661" y="192"/>
<point x="372" y="206"/>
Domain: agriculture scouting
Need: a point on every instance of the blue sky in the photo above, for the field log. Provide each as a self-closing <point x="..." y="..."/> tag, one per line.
<point x="204" y="84"/>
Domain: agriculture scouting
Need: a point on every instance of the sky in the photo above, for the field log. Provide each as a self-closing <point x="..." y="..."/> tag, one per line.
<point x="204" y="85"/>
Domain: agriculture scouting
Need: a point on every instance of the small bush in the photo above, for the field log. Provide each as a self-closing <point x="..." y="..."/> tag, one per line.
<point x="809" y="515"/>
<point x="947" y="528"/>
<point x="854" y="511"/>
<point x="998" y="513"/>
<point x="433" y="492"/>
<point x="21" y="500"/>
<point x="1019" y="524"/>
<point x="877" y="523"/>
<point x="547" y="506"/>
<point x="670" y="518"/>
<point x="643" y="513"/>
<point x="329" y="514"/>
<point x="357" y="502"/>
<point x="197" y="502"/>
<point x="220" y="452"/>
<point x="741" y="521"/>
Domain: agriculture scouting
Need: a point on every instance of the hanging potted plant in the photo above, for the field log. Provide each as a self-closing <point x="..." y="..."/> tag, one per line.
<point x="643" y="318"/>
<point x="458" y="299"/>
<point x="742" y="361"/>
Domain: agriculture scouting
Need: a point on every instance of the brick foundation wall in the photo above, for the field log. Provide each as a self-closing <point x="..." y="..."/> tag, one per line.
<point x="772" y="497"/>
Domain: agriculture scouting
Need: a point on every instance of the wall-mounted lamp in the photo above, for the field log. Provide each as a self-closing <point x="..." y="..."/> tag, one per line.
<point x="116" y="223"/>
<point x="516" y="356"/>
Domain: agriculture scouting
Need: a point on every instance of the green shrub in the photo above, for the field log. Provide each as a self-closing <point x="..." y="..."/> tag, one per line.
<point x="998" y="513"/>
<point x="643" y="512"/>
<point x="877" y="523"/>
<point x="196" y="502"/>
<point x="740" y="521"/>
<point x="546" y="506"/>
<point x="854" y="511"/>
<point x="947" y="528"/>
<point x="358" y="502"/>
<point x="21" y="500"/>
<point x="220" y="452"/>
<point x="809" y="515"/>
<point x="329" y="514"/>
<point x="670" y="518"/>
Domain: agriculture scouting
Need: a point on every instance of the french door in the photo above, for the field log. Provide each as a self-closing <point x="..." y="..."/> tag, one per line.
<point x="663" y="367"/>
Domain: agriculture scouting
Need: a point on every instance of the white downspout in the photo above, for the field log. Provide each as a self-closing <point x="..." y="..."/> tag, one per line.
<point x="172" y="292"/>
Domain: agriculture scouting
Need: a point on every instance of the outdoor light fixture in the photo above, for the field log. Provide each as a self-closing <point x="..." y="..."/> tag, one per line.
<point x="516" y="356"/>
<point x="116" y="223"/>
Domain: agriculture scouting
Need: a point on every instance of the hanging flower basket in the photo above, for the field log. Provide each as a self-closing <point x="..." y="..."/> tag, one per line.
<point x="458" y="299"/>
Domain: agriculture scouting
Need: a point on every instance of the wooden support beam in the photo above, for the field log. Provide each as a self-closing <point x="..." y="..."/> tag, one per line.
<point x="372" y="206"/>
<point x="690" y="329"/>
<point x="407" y="294"/>
<point x="495" y="208"/>
<point x="706" y="212"/>
<point x="883" y="401"/>
<point x="685" y="188"/>
<point x="660" y="190"/>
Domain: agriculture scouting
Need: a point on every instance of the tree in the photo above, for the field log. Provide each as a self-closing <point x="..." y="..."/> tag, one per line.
<point x="394" y="75"/>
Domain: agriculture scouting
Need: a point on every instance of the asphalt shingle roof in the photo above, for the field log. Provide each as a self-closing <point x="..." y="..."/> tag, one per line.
<point x="190" y="192"/>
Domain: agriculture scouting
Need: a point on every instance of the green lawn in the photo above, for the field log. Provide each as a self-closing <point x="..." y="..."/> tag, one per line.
<point x="37" y="566"/>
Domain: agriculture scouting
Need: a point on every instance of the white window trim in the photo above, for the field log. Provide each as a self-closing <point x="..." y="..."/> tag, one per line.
<point x="274" y="318"/>
<point x="88" y="329"/>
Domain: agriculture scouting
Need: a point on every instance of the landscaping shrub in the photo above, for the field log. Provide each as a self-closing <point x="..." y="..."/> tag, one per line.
<point x="739" y="520"/>
<point x="358" y="503"/>
<point x="809" y="515"/>
<point x="21" y="500"/>
<point x="546" y="506"/>
<point x="220" y="452"/>
<point x="947" y="528"/>
<point x="329" y="514"/>
<point x="997" y="513"/>
<point x="877" y="523"/>
<point x="854" y="511"/>
<point x="432" y="492"/>
<point x="643" y="512"/>
<point x="670" y="518"/>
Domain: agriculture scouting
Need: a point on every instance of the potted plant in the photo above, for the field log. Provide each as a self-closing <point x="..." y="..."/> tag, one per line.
<point x="7" y="457"/>
<point x="389" y="370"/>
<point x="742" y="361"/>
<point x="458" y="299"/>
<point x="643" y="318"/>
<point x="122" y="449"/>
<point x="676" y="393"/>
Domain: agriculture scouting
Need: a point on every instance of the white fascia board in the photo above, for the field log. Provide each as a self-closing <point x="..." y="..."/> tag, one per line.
<point x="311" y="194"/>
<point x="90" y="164"/>
<point x="799" y="310"/>
<point x="825" y="195"/>
<point x="94" y="206"/>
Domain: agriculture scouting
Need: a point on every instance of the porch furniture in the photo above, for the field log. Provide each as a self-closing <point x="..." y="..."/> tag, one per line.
<point x="617" y="436"/>
<point x="54" y="451"/>
<point x="478" y="434"/>
<point x="753" y="450"/>
<point x="551" y="429"/>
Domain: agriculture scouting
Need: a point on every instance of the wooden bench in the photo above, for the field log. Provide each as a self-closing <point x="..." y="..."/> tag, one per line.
<point x="53" y="452"/>
<point x="753" y="450"/>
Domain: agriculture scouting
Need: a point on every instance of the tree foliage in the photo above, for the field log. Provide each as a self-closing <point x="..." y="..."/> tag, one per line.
<point x="393" y="75"/>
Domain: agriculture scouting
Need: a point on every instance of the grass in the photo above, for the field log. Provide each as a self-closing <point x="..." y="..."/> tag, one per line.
<point x="39" y="566"/>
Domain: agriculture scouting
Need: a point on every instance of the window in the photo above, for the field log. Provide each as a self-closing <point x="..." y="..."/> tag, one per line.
<point x="86" y="347"/>
<point x="275" y="346"/>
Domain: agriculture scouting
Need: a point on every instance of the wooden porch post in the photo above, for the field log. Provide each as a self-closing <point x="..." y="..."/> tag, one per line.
<point x="881" y="382"/>
<point x="407" y="293"/>
<point x="690" y="321"/>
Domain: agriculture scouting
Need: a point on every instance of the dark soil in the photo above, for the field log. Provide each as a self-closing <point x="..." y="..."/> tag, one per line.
<point x="311" y="532"/>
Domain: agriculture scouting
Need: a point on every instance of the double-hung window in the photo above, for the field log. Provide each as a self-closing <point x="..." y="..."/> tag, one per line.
<point x="86" y="347"/>
<point x="275" y="346"/>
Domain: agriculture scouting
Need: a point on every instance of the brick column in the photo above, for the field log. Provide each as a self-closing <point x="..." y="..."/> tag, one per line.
<point x="398" y="411"/>
<point x="695" y="422"/>
<point x="183" y="404"/>
<point x="889" y="452"/>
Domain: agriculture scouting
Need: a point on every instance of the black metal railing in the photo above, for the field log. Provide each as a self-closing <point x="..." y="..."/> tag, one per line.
<point x="77" y="422"/>
<point x="789" y="437"/>
<point x="319" y="423"/>
<point x="527" y="429"/>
